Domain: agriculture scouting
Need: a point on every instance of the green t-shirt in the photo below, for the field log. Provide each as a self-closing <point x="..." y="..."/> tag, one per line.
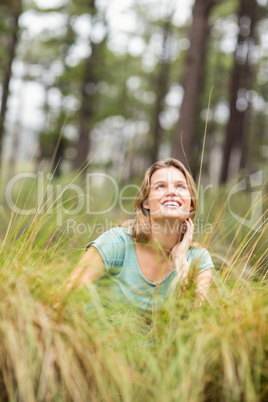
<point x="117" y="250"/>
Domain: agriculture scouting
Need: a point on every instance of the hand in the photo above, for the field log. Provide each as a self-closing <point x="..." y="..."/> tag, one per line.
<point x="180" y="250"/>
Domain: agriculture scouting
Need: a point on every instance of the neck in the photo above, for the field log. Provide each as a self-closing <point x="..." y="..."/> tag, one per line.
<point x="166" y="234"/>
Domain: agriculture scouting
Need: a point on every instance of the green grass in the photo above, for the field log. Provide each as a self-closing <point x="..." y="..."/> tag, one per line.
<point x="55" y="348"/>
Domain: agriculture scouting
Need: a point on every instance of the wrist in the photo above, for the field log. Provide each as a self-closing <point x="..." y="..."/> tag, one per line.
<point x="180" y="264"/>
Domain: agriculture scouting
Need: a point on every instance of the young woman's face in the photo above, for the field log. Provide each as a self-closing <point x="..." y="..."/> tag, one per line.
<point x="169" y="195"/>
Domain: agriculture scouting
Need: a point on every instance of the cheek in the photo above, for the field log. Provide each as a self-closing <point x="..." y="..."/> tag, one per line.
<point x="189" y="200"/>
<point x="155" y="195"/>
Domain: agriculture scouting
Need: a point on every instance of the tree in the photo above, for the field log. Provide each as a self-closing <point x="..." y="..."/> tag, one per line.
<point x="87" y="106"/>
<point x="162" y="85"/>
<point x="128" y="97"/>
<point x="193" y="77"/>
<point x="12" y="11"/>
<point x="241" y="83"/>
<point x="78" y="81"/>
<point x="89" y="88"/>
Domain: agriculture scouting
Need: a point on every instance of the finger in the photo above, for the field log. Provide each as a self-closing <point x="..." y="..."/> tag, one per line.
<point x="189" y="225"/>
<point x="189" y="232"/>
<point x="188" y="236"/>
<point x="191" y="222"/>
<point x="188" y="229"/>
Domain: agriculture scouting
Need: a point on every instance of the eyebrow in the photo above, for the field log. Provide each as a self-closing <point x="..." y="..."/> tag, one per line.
<point x="165" y="181"/>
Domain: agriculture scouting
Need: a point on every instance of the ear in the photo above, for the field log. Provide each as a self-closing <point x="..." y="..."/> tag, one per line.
<point x="191" y="212"/>
<point x="145" y="205"/>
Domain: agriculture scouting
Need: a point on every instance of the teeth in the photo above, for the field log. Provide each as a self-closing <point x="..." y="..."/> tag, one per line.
<point x="171" y="204"/>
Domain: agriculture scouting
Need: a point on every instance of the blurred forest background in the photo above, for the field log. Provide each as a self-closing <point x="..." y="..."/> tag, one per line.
<point x="125" y="93"/>
<point x="112" y="86"/>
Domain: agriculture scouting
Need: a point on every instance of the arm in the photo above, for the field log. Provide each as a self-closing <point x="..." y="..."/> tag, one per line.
<point x="203" y="282"/>
<point x="180" y="251"/>
<point x="89" y="269"/>
<point x="179" y="255"/>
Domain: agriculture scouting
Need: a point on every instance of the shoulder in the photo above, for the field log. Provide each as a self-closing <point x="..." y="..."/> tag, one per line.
<point x="112" y="246"/>
<point x="200" y="257"/>
<point x="118" y="233"/>
<point x="114" y="235"/>
<point x="198" y="251"/>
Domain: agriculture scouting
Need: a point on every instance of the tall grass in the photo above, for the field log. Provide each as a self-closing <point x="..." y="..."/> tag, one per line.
<point x="54" y="347"/>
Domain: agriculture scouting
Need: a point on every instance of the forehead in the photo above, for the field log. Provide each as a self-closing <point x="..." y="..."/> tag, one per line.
<point x="168" y="174"/>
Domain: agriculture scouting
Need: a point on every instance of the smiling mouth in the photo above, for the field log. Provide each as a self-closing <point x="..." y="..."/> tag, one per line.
<point x="172" y="204"/>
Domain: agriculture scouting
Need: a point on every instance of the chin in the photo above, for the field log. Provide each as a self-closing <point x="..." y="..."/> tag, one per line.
<point x="174" y="216"/>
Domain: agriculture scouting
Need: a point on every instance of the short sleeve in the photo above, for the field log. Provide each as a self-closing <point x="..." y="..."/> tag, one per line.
<point x="200" y="259"/>
<point x="111" y="246"/>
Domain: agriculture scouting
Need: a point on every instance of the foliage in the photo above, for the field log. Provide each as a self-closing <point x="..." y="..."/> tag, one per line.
<point x="125" y="76"/>
<point x="81" y="344"/>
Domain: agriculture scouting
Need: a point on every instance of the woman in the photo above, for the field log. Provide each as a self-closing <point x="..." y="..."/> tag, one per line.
<point x="149" y="256"/>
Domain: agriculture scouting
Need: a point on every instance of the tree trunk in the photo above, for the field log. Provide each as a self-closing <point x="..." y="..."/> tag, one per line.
<point x="241" y="82"/>
<point x="88" y="98"/>
<point x="161" y="91"/>
<point x="185" y="132"/>
<point x="15" y="13"/>
<point x="86" y="112"/>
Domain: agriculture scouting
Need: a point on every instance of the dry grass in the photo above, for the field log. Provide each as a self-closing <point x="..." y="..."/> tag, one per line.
<point x="55" y="350"/>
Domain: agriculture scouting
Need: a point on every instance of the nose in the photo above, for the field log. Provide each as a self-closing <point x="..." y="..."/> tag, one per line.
<point x="171" y="189"/>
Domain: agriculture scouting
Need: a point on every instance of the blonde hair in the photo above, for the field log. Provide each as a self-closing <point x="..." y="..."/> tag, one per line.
<point x="141" y="226"/>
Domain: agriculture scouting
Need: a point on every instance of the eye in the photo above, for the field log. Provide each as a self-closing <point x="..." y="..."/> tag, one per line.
<point x="160" y="186"/>
<point x="181" y="185"/>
